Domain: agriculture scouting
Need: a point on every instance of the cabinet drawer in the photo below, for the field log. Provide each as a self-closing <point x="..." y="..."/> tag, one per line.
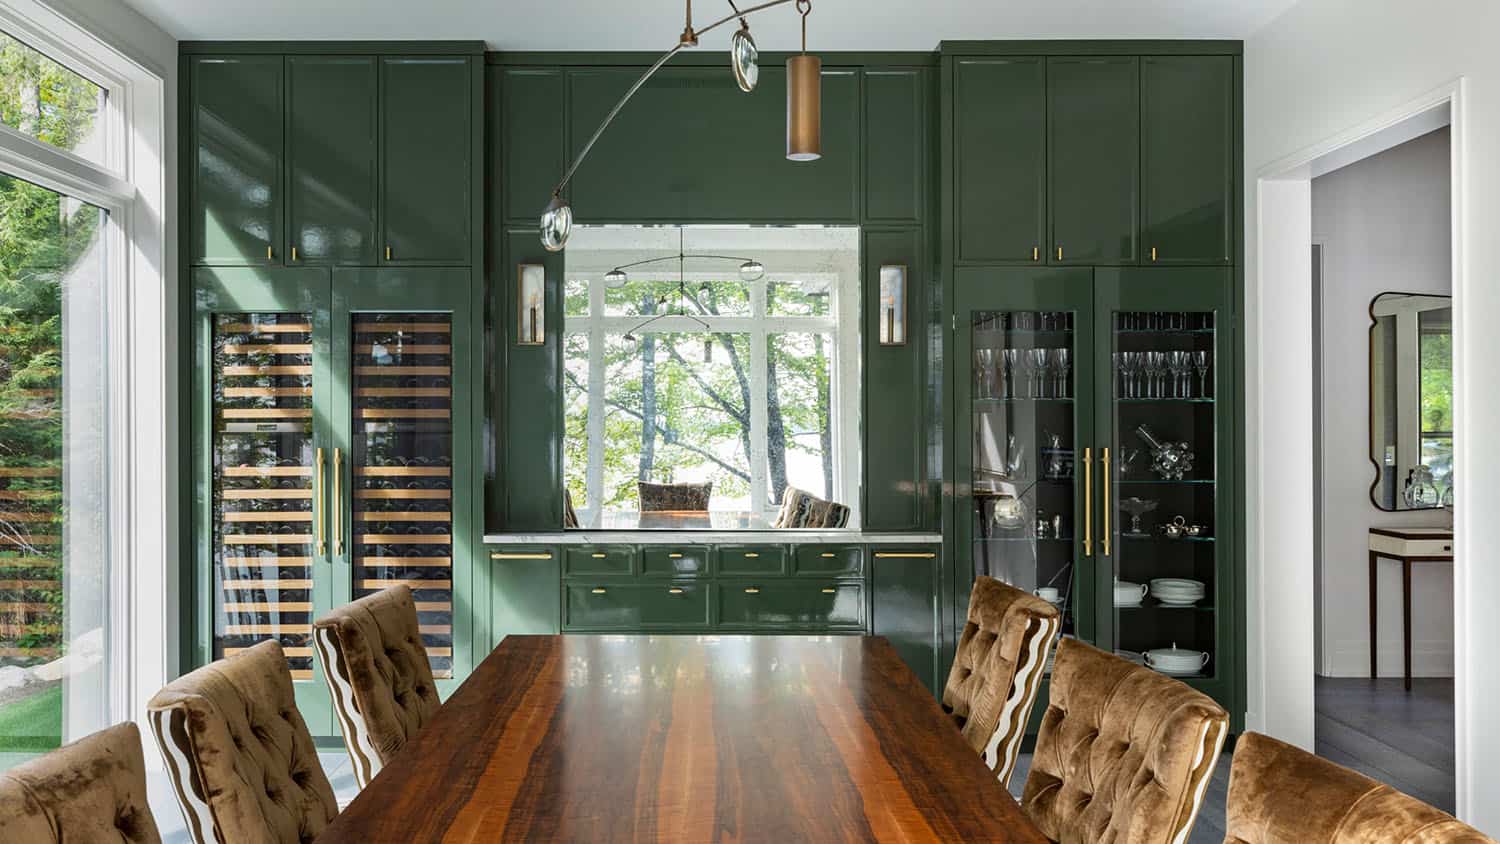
<point x="599" y="559"/>
<point x="792" y="604"/>
<point x="674" y="605"/>
<point x="830" y="560"/>
<point x="752" y="559"/>
<point x="686" y="561"/>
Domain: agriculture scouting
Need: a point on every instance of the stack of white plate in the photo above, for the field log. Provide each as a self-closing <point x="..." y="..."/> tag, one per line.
<point x="1177" y="591"/>
<point x="1129" y="594"/>
<point x="1178" y="662"/>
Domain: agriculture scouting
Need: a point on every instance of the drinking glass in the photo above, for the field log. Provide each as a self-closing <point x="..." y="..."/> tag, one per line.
<point x="984" y="373"/>
<point x="1012" y="360"/>
<point x="1042" y="368"/>
<point x="1200" y="363"/>
<point x="1062" y="364"/>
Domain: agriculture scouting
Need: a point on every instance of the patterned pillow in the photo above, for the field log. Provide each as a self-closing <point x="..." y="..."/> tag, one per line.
<point x="678" y="497"/>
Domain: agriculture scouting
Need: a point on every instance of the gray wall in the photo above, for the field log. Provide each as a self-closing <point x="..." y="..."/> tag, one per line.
<point x="1384" y="225"/>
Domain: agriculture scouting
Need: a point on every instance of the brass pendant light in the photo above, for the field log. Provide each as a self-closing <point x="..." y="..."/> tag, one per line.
<point x="804" y="108"/>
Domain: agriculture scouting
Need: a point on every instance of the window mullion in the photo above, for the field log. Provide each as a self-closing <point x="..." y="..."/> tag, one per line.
<point x="594" y="498"/>
<point x="759" y="416"/>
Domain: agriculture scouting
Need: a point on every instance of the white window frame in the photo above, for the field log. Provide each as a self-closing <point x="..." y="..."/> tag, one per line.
<point x="841" y="324"/>
<point x="131" y="185"/>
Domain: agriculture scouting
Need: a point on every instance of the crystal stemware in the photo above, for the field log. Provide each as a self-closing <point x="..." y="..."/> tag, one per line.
<point x="984" y="373"/>
<point x="1041" y="368"/>
<point x="1200" y="363"/>
<point x="1136" y="508"/>
<point x="1062" y="364"/>
<point x="1012" y="361"/>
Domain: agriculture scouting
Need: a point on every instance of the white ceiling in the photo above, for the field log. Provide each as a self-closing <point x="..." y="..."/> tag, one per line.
<point x="654" y="24"/>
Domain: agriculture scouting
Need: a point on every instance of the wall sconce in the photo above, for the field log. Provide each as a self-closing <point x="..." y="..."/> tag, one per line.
<point x="893" y="305"/>
<point x="531" y="305"/>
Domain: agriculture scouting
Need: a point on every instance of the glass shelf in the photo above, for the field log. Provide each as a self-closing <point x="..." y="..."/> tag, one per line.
<point x="1166" y="481"/>
<point x="1163" y="401"/>
<point x="1141" y="537"/>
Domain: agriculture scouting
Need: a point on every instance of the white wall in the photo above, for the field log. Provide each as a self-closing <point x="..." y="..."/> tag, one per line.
<point x="1319" y="69"/>
<point x="1384" y="225"/>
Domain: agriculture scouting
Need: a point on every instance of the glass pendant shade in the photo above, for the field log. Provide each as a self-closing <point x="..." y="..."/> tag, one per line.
<point x="557" y="224"/>
<point x="804" y="108"/>
<point x="744" y="58"/>
<point x="615" y="279"/>
<point x="751" y="270"/>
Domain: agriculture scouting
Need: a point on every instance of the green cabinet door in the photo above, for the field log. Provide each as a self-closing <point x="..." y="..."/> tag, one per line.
<point x="524" y="583"/>
<point x="330" y="152"/>
<point x="1094" y="159"/>
<point x="1000" y="166"/>
<point x="235" y="126"/>
<point x="260" y="443"/>
<point x="1187" y="155"/>
<point x="427" y="159"/>
<point x="904" y="606"/>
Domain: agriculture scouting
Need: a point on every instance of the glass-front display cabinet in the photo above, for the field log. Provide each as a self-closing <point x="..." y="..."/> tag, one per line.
<point x="331" y="432"/>
<point x="1095" y="453"/>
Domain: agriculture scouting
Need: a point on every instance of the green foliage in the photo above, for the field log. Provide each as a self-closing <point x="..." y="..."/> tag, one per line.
<point x="1437" y="381"/>
<point x="43" y="99"/>
<point x="34" y="722"/>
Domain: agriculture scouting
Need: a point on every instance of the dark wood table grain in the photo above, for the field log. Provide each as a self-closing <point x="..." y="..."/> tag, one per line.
<point x="687" y="739"/>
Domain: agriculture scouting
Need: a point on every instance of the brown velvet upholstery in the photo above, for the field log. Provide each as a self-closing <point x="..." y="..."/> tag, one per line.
<point x="239" y="753"/>
<point x="800" y="509"/>
<point x="1280" y="794"/>
<point x="378" y="674"/>
<point x="683" y="498"/>
<point x="1123" y="754"/>
<point x="997" y="669"/>
<point x="93" y="790"/>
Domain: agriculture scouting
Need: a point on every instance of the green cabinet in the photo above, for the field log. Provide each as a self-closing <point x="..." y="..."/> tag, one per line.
<point x="338" y="159"/>
<point x="523" y="594"/>
<point x="792" y="604"/>
<point x="427" y="159"/>
<point x="1187" y="159"/>
<point x="331" y="441"/>
<point x="1093" y="121"/>
<point x="330" y="152"/>
<point x="1000" y="159"/>
<point x="234" y="117"/>
<point x="636" y="606"/>
<point x="904" y="593"/>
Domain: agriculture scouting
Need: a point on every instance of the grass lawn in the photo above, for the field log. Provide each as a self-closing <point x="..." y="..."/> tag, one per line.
<point x="33" y="723"/>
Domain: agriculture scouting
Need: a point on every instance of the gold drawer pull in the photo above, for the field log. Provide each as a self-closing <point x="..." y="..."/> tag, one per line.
<point x="675" y="590"/>
<point x="674" y="556"/>
<point x="598" y="556"/>
<point x="827" y="554"/>
<point x="598" y="590"/>
<point x="751" y="554"/>
<point x="294" y="253"/>
<point x="905" y="555"/>
<point x="829" y="590"/>
<point x="388" y="253"/>
<point x="752" y="590"/>
<point x="503" y="555"/>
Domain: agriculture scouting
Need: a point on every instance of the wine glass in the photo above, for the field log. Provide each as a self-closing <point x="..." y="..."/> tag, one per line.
<point x="1062" y="364"/>
<point x="1041" y="366"/>
<point x="984" y="376"/>
<point x="1200" y="363"/>
<point x="1012" y="360"/>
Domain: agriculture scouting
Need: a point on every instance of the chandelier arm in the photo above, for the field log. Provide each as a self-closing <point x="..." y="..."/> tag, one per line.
<point x="651" y="71"/>
<point x="679" y="258"/>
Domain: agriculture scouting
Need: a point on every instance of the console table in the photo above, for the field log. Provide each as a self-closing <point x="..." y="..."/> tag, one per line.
<point x="1406" y="545"/>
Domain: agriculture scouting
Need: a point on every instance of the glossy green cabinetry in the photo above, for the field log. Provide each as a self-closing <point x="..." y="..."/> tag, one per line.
<point x="1187" y="154"/>
<point x="523" y="594"/>
<point x="235" y="117"/>
<point x="330" y="150"/>
<point x="1000" y="159"/>
<point x="905" y="590"/>
<point x="427" y="159"/>
<point x="1093" y="126"/>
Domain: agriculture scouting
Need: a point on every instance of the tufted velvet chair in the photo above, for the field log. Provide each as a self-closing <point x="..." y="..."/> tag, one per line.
<point x="997" y="670"/>
<point x="378" y="674"/>
<point x="1279" y="794"/>
<point x="91" y="790"/>
<point x="1124" y="753"/>
<point x="239" y="753"/>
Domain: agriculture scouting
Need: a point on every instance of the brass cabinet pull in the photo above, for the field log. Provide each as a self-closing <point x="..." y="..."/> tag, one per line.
<point x="752" y="590"/>
<point x="827" y="554"/>
<point x="388" y="253"/>
<point x="598" y="555"/>
<point x="294" y="253"/>
<point x="1059" y="253"/>
<point x="905" y="555"/>
<point x="1088" y="502"/>
<point x="504" y="555"/>
<point x="1104" y="537"/>
<point x="751" y="554"/>
<point x="674" y="556"/>
<point x="1036" y="253"/>
<point x="829" y="590"/>
<point x="675" y="590"/>
<point x="1153" y="253"/>
<point x="270" y="256"/>
<point x="338" y="503"/>
<point x="318" y="503"/>
<point x="598" y="590"/>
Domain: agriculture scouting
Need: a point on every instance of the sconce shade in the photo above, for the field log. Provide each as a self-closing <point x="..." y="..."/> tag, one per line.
<point x="752" y="270"/>
<point x="744" y="58"/>
<point x="804" y="108"/>
<point x="615" y="279"/>
<point x="557" y="224"/>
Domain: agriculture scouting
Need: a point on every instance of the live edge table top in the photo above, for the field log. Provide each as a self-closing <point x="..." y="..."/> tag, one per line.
<point x="687" y="738"/>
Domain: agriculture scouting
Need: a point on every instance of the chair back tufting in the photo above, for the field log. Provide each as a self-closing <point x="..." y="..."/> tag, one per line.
<point x="239" y="754"/>
<point x="997" y="670"/>
<point x="1280" y="794"/>
<point x="378" y="675"/>
<point x="1123" y="754"/>
<point x="91" y="790"/>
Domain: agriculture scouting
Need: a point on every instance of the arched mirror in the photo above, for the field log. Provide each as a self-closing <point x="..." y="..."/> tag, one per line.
<point x="1411" y="401"/>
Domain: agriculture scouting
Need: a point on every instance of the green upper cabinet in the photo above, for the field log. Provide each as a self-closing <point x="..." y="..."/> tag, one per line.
<point x="427" y="159"/>
<point x="330" y="150"/>
<point x="1094" y="159"/>
<point x="895" y="112"/>
<point x="1000" y="166"/>
<point x="1187" y="150"/>
<point x="235" y="209"/>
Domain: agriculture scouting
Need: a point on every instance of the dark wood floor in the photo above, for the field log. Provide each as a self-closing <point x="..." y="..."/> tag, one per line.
<point x="1373" y="726"/>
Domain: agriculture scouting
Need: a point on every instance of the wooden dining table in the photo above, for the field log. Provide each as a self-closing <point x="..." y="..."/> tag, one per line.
<point x="687" y="739"/>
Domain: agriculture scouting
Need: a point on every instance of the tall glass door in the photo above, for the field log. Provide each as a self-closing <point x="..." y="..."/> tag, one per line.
<point x="1024" y="421"/>
<point x="263" y="455"/>
<point x="404" y="424"/>
<point x="1164" y="370"/>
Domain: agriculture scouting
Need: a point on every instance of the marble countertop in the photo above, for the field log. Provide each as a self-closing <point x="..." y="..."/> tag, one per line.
<point x="710" y="528"/>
